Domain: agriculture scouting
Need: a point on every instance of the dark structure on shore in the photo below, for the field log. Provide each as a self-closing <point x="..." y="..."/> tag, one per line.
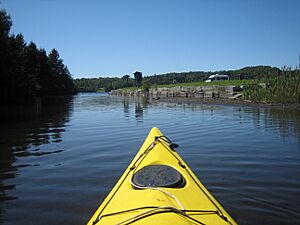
<point x="138" y="77"/>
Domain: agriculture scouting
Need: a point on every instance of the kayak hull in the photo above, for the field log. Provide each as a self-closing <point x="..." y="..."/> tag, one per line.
<point x="189" y="203"/>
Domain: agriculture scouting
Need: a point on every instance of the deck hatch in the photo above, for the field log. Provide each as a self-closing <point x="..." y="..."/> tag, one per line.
<point x="158" y="176"/>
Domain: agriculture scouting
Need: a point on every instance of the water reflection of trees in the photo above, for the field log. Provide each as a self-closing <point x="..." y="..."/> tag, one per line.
<point x="23" y="129"/>
<point x="126" y="106"/>
<point x="138" y="110"/>
<point x="140" y="104"/>
<point x="285" y="122"/>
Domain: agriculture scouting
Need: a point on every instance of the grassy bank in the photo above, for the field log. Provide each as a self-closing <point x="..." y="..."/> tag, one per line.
<point x="284" y="88"/>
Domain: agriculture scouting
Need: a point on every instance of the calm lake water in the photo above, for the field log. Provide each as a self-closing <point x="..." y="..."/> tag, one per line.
<point x="61" y="157"/>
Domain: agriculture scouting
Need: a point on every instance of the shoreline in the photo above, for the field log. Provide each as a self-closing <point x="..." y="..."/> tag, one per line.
<point x="227" y="102"/>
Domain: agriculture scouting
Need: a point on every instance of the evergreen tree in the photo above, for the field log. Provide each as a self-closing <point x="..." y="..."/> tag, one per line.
<point x="126" y="79"/>
<point x="31" y="79"/>
<point x="62" y="76"/>
<point x="26" y="71"/>
<point x="5" y="25"/>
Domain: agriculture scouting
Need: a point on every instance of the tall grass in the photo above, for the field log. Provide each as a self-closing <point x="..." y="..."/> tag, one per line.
<point x="282" y="88"/>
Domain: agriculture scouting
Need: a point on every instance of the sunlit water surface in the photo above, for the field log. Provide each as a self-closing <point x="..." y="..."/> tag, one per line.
<point x="60" y="157"/>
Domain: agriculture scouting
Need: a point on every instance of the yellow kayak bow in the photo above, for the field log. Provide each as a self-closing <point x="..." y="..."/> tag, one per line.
<point x="158" y="188"/>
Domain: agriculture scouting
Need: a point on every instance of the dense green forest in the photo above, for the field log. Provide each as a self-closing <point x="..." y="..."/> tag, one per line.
<point x="27" y="71"/>
<point x="94" y="84"/>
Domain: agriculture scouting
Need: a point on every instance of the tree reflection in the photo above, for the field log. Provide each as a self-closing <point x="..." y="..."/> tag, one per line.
<point x="140" y="105"/>
<point x="138" y="110"/>
<point x="23" y="130"/>
<point x="285" y="122"/>
<point x="126" y="106"/>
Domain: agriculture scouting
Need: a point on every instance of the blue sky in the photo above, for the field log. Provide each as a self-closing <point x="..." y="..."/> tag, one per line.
<point x="117" y="37"/>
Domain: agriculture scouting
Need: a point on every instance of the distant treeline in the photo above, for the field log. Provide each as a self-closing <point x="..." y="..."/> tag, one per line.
<point x="99" y="84"/>
<point x="27" y="71"/>
<point x="94" y="84"/>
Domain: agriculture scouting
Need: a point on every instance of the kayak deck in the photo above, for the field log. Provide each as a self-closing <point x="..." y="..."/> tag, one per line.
<point x="133" y="201"/>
